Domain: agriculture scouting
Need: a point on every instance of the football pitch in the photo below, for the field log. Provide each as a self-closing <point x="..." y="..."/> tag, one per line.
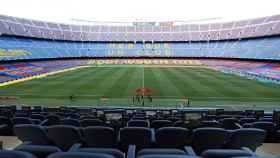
<point x="116" y="86"/>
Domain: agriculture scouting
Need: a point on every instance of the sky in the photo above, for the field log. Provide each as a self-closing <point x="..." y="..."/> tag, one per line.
<point x="195" y="11"/>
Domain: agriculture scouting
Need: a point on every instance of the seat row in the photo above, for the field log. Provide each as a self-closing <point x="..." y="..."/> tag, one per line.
<point x="273" y="132"/>
<point x="42" y="141"/>
<point x="212" y="153"/>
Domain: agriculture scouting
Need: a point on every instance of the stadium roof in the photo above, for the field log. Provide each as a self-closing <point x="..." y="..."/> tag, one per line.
<point x="189" y="11"/>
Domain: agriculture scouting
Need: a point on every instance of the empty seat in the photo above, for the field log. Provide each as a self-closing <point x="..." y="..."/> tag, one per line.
<point x="246" y="137"/>
<point x="64" y="136"/>
<point x="161" y="123"/>
<point x="172" y="137"/>
<point x="109" y="151"/>
<point x="160" y="151"/>
<point x="139" y="117"/>
<point x="15" y="154"/>
<point x="230" y="123"/>
<point x="34" y="140"/>
<point x="52" y="119"/>
<point x="103" y="137"/>
<point x="21" y="120"/>
<point x="169" y="141"/>
<point x="138" y="123"/>
<point x="179" y="123"/>
<point x="21" y="114"/>
<point x="266" y="119"/>
<point x="37" y="116"/>
<point x="214" y="124"/>
<point x="91" y="122"/>
<point x="247" y="120"/>
<point x="71" y="122"/>
<point x="166" y="156"/>
<point x="80" y="155"/>
<point x="139" y="136"/>
<point x="73" y="116"/>
<point x="100" y="140"/>
<point x="31" y="133"/>
<point x="5" y="126"/>
<point x="208" y="138"/>
<point x="269" y="127"/>
<point x="226" y="153"/>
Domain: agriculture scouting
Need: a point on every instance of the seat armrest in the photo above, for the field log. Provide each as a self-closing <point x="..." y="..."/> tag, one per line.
<point x="153" y="136"/>
<point x="118" y="140"/>
<point x="131" y="151"/>
<point x="43" y="122"/>
<point x="22" y="144"/>
<point x="75" y="147"/>
<point x="238" y="125"/>
<point x="189" y="150"/>
<point x="36" y="121"/>
<point x="249" y="151"/>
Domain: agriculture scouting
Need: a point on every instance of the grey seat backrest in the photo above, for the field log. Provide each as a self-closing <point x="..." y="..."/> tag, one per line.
<point x="208" y="138"/>
<point x="64" y="136"/>
<point x="98" y="136"/>
<point x="32" y="133"/>
<point x="172" y="137"/>
<point x="246" y="137"/>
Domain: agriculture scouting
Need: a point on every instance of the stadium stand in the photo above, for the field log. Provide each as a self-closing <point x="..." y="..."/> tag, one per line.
<point x="259" y="48"/>
<point x="10" y="72"/>
<point x="29" y="48"/>
<point x="118" y="140"/>
<point x="257" y="27"/>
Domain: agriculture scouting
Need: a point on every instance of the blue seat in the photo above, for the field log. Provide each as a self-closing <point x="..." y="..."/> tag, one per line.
<point x="21" y="120"/>
<point x="169" y="141"/>
<point x="246" y="137"/>
<point x="139" y="136"/>
<point x="138" y="123"/>
<point x="269" y="127"/>
<point x="247" y="120"/>
<point x="70" y="121"/>
<point x="32" y="133"/>
<point x="37" y="116"/>
<point x="103" y="137"/>
<point x="109" y="151"/>
<point x="5" y="126"/>
<point x="208" y="138"/>
<point x="172" y="137"/>
<point x="156" y="124"/>
<point x="35" y="140"/>
<point x="226" y="153"/>
<point x="166" y="156"/>
<point x="213" y="124"/>
<point x="80" y="155"/>
<point x="230" y="123"/>
<point x="161" y="151"/>
<point x="91" y="122"/>
<point x="64" y="136"/>
<point x="52" y="119"/>
<point x="15" y="154"/>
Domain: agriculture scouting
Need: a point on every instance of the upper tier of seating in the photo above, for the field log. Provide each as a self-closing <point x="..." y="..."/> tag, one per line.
<point x="162" y="31"/>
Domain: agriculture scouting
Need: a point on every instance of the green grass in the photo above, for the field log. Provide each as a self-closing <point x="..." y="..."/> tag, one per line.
<point x="204" y="87"/>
